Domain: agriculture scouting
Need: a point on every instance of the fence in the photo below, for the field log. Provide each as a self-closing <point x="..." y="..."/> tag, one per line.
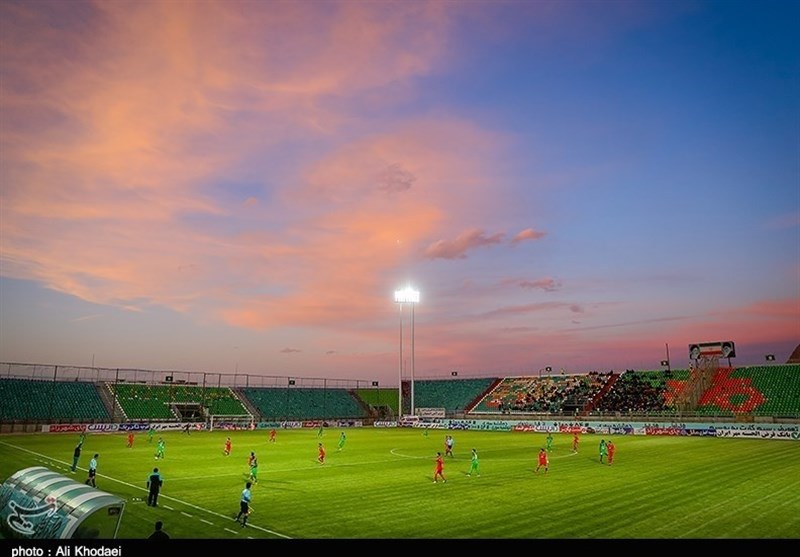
<point x="177" y="377"/>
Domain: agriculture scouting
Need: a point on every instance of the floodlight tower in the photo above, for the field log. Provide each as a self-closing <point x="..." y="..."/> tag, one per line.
<point x="407" y="295"/>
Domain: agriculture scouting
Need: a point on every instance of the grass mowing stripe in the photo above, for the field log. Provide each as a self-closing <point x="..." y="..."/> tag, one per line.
<point x="762" y="516"/>
<point x="143" y="489"/>
<point x="717" y="516"/>
<point x="658" y="487"/>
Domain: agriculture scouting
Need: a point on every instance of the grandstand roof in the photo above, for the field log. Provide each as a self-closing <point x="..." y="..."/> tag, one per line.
<point x="795" y="357"/>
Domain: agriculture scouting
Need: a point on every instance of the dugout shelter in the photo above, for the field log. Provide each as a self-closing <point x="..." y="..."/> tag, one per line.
<point x="37" y="503"/>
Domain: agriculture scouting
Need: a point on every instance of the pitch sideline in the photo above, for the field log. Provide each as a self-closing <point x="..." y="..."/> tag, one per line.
<point x="143" y="489"/>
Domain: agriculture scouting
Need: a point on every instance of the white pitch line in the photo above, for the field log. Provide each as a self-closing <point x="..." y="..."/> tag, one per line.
<point x="396" y="452"/>
<point x="231" y="531"/>
<point x="187" y="514"/>
<point x="206" y="521"/>
<point x="228" y="475"/>
<point x="317" y="466"/>
<point x="168" y="507"/>
<point x="162" y="496"/>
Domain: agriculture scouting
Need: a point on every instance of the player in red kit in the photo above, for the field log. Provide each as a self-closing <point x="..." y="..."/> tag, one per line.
<point x="438" y="472"/>
<point x="321" y="457"/>
<point x="543" y="461"/>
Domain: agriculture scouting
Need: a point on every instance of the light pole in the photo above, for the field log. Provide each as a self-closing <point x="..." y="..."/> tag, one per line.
<point x="406" y="296"/>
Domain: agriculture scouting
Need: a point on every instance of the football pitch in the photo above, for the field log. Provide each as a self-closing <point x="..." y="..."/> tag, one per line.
<point x="380" y="485"/>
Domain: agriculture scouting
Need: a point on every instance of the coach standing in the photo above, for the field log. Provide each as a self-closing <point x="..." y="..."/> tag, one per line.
<point x="154" y="482"/>
<point x="76" y="455"/>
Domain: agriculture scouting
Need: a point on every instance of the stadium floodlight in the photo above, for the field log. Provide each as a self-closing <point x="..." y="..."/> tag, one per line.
<point x="407" y="295"/>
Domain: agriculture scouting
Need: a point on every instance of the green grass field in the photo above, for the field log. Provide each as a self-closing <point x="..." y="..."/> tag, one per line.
<point x="380" y="485"/>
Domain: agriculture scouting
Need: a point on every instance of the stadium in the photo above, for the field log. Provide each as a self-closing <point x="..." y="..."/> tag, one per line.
<point x="706" y="452"/>
<point x="206" y="205"/>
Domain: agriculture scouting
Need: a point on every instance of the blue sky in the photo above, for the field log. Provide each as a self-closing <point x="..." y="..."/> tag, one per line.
<point x="241" y="186"/>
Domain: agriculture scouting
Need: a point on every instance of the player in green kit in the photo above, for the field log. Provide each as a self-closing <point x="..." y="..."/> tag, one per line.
<point x="253" y="462"/>
<point x="342" y="439"/>
<point x="160" y="449"/>
<point x="474" y="464"/>
<point x="150" y="431"/>
<point x="549" y="441"/>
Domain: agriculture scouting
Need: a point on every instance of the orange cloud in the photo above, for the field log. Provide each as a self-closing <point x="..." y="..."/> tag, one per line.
<point x="527" y="234"/>
<point x="133" y="114"/>
<point x="457" y="249"/>
<point x="349" y="234"/>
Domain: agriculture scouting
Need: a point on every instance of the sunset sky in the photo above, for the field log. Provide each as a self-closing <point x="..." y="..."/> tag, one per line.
<point x="240" y="186"/>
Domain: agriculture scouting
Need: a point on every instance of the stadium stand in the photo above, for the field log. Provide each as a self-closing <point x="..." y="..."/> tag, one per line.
<point x="456" y="395"/>
<point x="769" y="393"/>
<point x="756" y="390"/>
<point x="33" y="400"/>
<point x="524" y="394"/>
<point x="156" y="402"/>
<point x="549" y="394"/>
<point x="636" y="392"/>
<point x="299" y="403"/>
<point x="382" y="402"/>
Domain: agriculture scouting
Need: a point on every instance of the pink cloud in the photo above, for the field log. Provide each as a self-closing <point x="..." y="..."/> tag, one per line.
<point x="395" y="179"/>
<point x="527" y="234"/>
<point x="547" y="284"/>
<point x="458" y="248"/>
<point x="634" y="344"/>
<point x="357" y="232"/>
<point x="120" y="137"/>
<point x="526" y="309"/>
<point x="118" y="133"/>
